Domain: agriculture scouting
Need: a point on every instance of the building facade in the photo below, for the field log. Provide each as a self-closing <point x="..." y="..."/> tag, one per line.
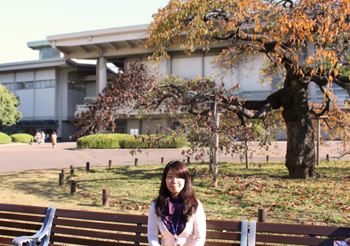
<point x="55" y="87"/>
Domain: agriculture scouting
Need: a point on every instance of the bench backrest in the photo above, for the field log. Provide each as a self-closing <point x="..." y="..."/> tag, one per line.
<point x="26" y="220"/>
<point x="296" y="234"/>
<point x="96" y="228"/>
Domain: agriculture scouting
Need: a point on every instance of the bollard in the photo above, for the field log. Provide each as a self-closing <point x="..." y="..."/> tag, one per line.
<point x="327" y="157"/>
<point x="267" y="158"/>
<point x="188" y="160"/>
<point x="262" y="214"/>
<point x="161" y="160"/>
<point x="73" y="187"/>
<point x="105" y="198"/>
<point x="136" y="161"/>
<point x="71" y="169"/>
<point x="61" y="179"/>
<point x="87" y="166"/>
<point x="110" y="163"/>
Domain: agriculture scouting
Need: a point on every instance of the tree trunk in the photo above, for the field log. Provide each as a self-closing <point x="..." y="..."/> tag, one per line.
<point x="216" y="145"/>
<point x="300" y="157"/>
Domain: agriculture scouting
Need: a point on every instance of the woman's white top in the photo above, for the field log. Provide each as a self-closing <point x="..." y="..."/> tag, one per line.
<point x="192" y="235"/>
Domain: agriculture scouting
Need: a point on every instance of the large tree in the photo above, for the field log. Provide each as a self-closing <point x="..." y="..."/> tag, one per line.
<point x="306" y="40"/>
<point x="9" y="114"/>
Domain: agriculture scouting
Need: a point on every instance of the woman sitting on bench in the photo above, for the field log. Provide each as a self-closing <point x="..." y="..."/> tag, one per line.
<point x="176" y="212"/>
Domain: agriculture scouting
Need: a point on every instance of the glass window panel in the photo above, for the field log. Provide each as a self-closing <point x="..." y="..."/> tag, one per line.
<point x="24" y="85"/>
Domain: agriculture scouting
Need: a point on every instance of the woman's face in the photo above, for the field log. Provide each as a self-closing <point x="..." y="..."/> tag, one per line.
<point x="173" y="183"/>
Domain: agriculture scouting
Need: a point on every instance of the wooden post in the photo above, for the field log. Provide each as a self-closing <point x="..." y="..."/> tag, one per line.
<point x="110" y="163"/>
<point x="61" y="179"/>
<point x="161" y="160"/>
<point x="246" y="154"/>
<point x="105" y="198"/>
<point x="73" y="187"/>
<point x="136" y="161"/>
<point x="188" y="160"/>
<point x="87" y="166"/>
<point x="318" y="143"/>
<point x="262" y="214"/>
<point x="71" y="169"/>
<point x="267" y="158"/>
<point x="327" y="157"/>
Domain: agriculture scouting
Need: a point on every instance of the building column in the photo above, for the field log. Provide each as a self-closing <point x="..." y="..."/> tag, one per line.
<point x="101" y="75"/>
<point x="61" y="99"/>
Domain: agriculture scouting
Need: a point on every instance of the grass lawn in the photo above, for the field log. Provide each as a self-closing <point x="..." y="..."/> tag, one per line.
<point x="323" y="200"/>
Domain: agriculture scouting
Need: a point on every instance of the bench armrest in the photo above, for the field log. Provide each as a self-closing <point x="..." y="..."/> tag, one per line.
<point x="244" y="233"/>
<point x="43" y="235"/>
<point x="252" y="232"/>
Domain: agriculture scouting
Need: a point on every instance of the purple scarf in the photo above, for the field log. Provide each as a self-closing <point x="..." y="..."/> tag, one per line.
<point x="171" y="213"/>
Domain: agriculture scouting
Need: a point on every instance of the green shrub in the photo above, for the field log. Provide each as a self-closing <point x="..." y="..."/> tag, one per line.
<point x="99" y="141"/>
<point x="122" y="140"/>
<point x="180" y="142"/>
<point x="4" y="138"/>
<point x="119" y="137"/>
<point x="22" y="138"/>
<point x="133" y="143"/>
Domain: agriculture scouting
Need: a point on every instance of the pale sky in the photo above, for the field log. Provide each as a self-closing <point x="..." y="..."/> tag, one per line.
<point x="22" y="21"/>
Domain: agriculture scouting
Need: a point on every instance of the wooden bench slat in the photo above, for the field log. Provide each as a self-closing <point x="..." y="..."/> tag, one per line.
<point x="221" y="244"/>
<point x="223" y="225"/>
<point x="99" y="234"/>
<point x="303" y="229"/>
<point x="90" y="242"/>
<point x="292" y="240"/>
<point x="258" y="244"/>
<point x="13" y="233"/>
<point x="5" y="240"/>
<point x="223" y="235"/>
<point x="100" y="225"/>
<point x="23" y="217"/>
<point x="22" y="208"/>
<point x="20" y="225"/>
<point x="101" y="216"/>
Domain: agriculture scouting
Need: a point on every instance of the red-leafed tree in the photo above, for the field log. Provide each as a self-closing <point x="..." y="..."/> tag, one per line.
<point x="306" y="40"/>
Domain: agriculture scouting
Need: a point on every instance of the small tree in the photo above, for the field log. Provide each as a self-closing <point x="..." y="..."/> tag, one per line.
<point x="129" y="88"/>
<point x="9" y="114"/>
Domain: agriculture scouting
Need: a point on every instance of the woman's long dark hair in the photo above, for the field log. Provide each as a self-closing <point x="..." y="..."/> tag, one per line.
<point x="188" y="197"/>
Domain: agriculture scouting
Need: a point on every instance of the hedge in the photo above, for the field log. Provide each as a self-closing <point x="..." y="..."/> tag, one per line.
<point x="99" y="141"/>
<point x="180" y="142"/>
<point x="121" y="140"/>
<point x="4" y="138"/>
<point x="22" y="138"/>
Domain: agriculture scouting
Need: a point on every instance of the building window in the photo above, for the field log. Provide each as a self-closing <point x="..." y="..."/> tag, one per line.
<point x="24" y="85"/>
<point x="339" y="93"/>
<point x="10" y="86"/>
<point x="134" y="131"/>
<point x="44" y="84"/>
<point x="76" y="86"/>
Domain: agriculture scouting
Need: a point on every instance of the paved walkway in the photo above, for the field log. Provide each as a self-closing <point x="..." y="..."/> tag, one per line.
<point x="20" y="157"/>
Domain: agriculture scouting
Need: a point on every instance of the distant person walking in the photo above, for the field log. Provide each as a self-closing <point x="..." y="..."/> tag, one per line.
<point x="43" y="136"/>
<point x="37" y="137"/>
<point x="54" y="139"/>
